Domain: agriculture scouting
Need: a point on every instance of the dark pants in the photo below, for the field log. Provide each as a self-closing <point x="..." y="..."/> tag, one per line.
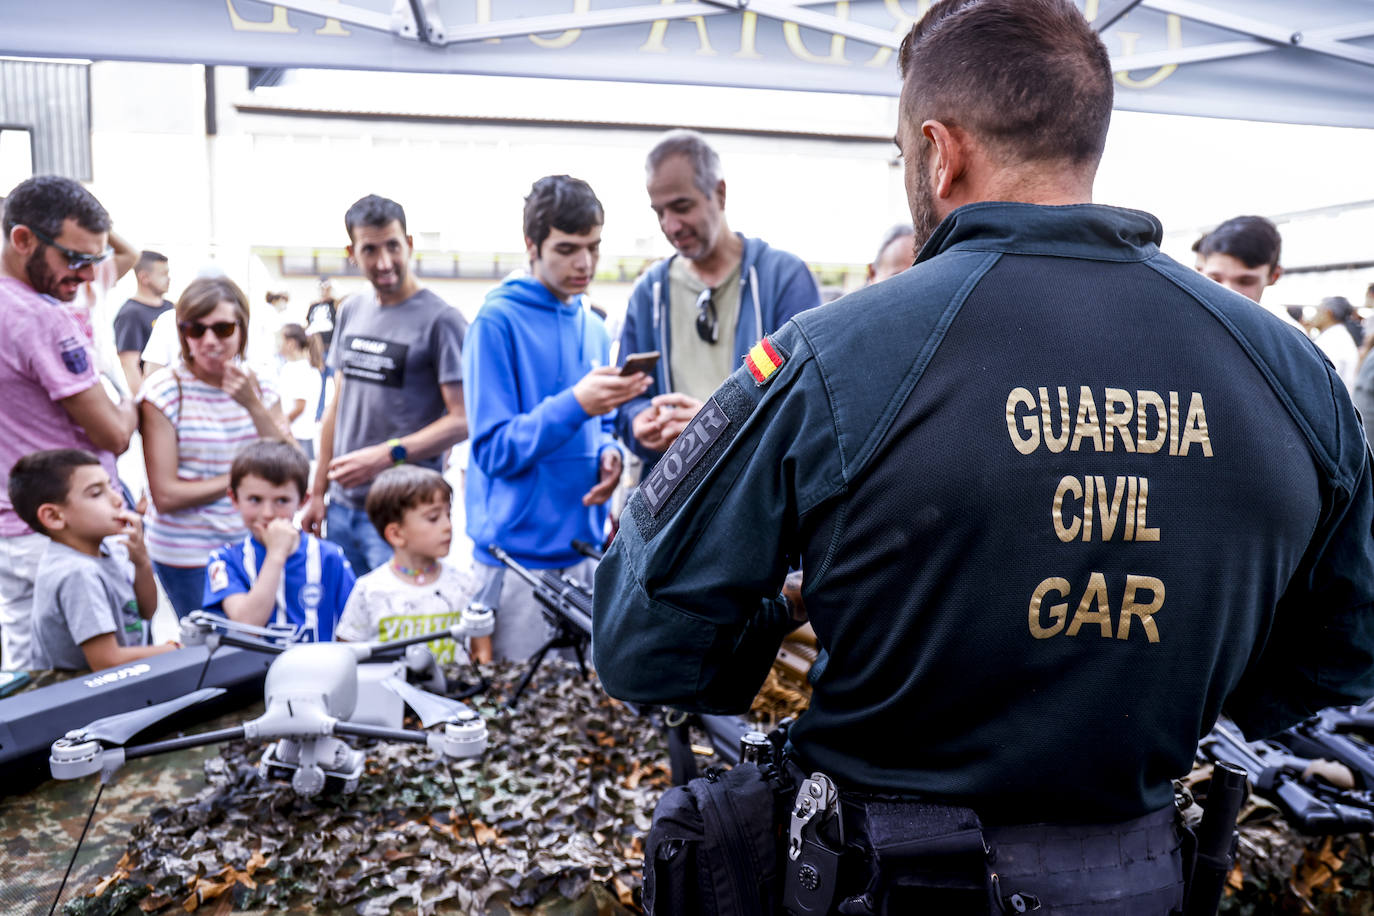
<point x="185" y="586"/>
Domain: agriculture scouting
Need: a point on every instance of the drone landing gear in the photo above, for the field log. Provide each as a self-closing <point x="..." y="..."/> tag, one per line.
<point x="316" y="765"/>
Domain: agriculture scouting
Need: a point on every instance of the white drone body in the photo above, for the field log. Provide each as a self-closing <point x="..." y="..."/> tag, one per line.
<point x="314" y="693"/>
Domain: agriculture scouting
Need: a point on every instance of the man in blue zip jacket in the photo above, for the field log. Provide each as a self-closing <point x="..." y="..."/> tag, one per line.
<point x="704" y="309"/>
<point x="541" y="403"/>
<point x="1060" y="501"/>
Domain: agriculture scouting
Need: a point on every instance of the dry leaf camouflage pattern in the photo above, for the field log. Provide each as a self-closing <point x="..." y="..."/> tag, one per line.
<point x="561" y="801"/>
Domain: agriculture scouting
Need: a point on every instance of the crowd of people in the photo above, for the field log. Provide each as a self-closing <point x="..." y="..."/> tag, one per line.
<point x="374" y="392"/>
<point x="551" y="421"/>
<point x="1056" y="502"/>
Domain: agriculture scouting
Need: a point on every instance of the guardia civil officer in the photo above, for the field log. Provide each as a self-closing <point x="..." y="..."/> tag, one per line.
<point x="1060" y="501"/>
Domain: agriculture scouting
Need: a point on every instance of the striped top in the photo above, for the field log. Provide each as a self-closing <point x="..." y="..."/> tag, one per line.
<point x="211" y="429"/>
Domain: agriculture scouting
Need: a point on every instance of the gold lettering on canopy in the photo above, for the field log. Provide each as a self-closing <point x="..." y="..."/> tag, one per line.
<point x="333" y="27"/>
<point x="748" y="37"/>
<point x="1128" y="44"/>
<point x="278" y="23"/>
<point x="659" y="30"/>
<point x="568" y="37"/>
<point x="484" y="17"/>
<point x="791" y="33"/>
<point x="904" y="23"/>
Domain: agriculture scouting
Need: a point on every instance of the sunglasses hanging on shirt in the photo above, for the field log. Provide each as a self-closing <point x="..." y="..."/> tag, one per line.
<point x="708" y="323"/>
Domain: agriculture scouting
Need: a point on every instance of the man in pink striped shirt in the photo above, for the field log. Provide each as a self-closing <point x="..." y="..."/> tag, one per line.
<point x="56" y="232"/>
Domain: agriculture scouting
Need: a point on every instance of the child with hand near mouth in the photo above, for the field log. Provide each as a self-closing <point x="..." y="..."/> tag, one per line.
<point x="278" y="575"/>
<point x="94" y="591"/>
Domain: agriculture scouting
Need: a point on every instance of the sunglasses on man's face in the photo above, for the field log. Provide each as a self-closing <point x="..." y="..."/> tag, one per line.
<point x="194" y="329"/>
<point x="708" y="323"/>
<point x="76" y="260"/>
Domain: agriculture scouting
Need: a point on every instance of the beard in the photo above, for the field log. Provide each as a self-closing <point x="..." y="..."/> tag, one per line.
<point x="923" y="218"/>
<point x="41" y="277"/>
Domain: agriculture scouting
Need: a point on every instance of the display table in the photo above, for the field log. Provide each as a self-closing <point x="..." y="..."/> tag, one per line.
<point x="559" y="803"/>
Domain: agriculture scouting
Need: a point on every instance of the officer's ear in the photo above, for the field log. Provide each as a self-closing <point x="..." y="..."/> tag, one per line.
<point x="951" y="155"/>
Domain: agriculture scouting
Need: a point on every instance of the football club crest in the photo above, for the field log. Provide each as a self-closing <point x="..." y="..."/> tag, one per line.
<point x="219" y="576"/>
<point x="75" y="360"/>
<point x="311" y="595"/>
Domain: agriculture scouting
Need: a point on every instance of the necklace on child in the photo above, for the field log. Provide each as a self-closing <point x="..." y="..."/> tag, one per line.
<point x="419" y="575"/>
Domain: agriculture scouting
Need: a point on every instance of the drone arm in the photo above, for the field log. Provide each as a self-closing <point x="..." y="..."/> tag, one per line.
<point x="376" y="731"/>
<point x="232" y="639"/>
<point x="187" y="741"/>
<point x="466" y="738"/>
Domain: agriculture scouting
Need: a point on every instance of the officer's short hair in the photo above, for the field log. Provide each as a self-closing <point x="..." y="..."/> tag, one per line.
<point x="563" y="203"/>
<point x="44" y="202"/>
<point x="706" y="171"/>
<point x="40" y="478"/>
<point x="275" y="462"/>
<point x="1030" y="78"/>
<point x="1252" y="240"/>
<point x="376" y="212"/>
<point x="397" y="490"/>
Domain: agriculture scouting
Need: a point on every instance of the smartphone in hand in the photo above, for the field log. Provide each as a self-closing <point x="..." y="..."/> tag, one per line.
<point x="640" y="362"/>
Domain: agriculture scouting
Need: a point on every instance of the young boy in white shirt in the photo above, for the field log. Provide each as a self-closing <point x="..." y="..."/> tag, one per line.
<point x="416" y="592"/>
<point x="93" y="593"/>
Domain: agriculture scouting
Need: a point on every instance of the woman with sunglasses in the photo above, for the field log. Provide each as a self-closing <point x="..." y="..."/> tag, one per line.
<point x="195" y="416"/>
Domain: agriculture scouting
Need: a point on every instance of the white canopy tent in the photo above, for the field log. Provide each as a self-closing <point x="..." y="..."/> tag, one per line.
<point x="1272" y="60"/>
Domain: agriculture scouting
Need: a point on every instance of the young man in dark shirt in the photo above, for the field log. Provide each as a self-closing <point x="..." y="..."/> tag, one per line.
<point x="134" y="323"/>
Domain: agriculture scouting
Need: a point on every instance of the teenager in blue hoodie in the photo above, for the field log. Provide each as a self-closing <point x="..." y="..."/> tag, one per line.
<point x="541" y="403"/>
<point x="704" y="307"/>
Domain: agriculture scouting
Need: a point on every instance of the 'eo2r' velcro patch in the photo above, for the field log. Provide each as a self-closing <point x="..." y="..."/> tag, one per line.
<point x="705" y="428"/>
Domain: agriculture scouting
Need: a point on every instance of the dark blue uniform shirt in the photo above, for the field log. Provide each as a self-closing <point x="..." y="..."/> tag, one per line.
<point x="1059" y="501"/>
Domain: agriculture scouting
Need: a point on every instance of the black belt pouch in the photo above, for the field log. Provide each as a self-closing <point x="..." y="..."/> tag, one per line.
<point x="925" y="858"/>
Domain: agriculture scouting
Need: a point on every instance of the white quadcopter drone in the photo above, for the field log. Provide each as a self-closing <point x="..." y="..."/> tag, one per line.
<point x="314" y="692"/>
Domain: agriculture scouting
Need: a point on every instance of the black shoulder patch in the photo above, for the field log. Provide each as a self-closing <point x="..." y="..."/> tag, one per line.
<point x="684" y="455"/>
<point x="668" y="495"/>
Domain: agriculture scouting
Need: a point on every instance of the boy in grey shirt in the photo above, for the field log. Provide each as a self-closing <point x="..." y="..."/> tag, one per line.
<point x="92" y="598"/>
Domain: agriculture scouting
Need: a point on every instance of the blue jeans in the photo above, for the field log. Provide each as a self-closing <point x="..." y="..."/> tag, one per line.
<point x="352" y="530"/>
<point x="184" y="585"/>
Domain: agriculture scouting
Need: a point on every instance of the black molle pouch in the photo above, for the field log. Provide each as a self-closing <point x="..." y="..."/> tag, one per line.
<point x="925" y="858"/>
<point x="713" y="848"/>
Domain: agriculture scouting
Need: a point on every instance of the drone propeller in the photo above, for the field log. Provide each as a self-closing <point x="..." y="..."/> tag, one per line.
<point x="430" y="707"/>
<point x="119" y="728"/>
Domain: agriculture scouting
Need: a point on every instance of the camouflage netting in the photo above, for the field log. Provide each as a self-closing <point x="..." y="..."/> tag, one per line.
<point x="560" y="803"/>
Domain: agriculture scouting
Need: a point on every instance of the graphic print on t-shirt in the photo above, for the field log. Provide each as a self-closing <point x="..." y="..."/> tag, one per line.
<point x="382" y="362"/>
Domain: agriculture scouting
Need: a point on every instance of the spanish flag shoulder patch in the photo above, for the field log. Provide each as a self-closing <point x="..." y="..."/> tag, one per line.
<point x="763" y="360"/>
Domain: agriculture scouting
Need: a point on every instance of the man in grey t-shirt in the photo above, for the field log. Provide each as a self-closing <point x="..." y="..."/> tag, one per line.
<point x="397" y="357"/>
